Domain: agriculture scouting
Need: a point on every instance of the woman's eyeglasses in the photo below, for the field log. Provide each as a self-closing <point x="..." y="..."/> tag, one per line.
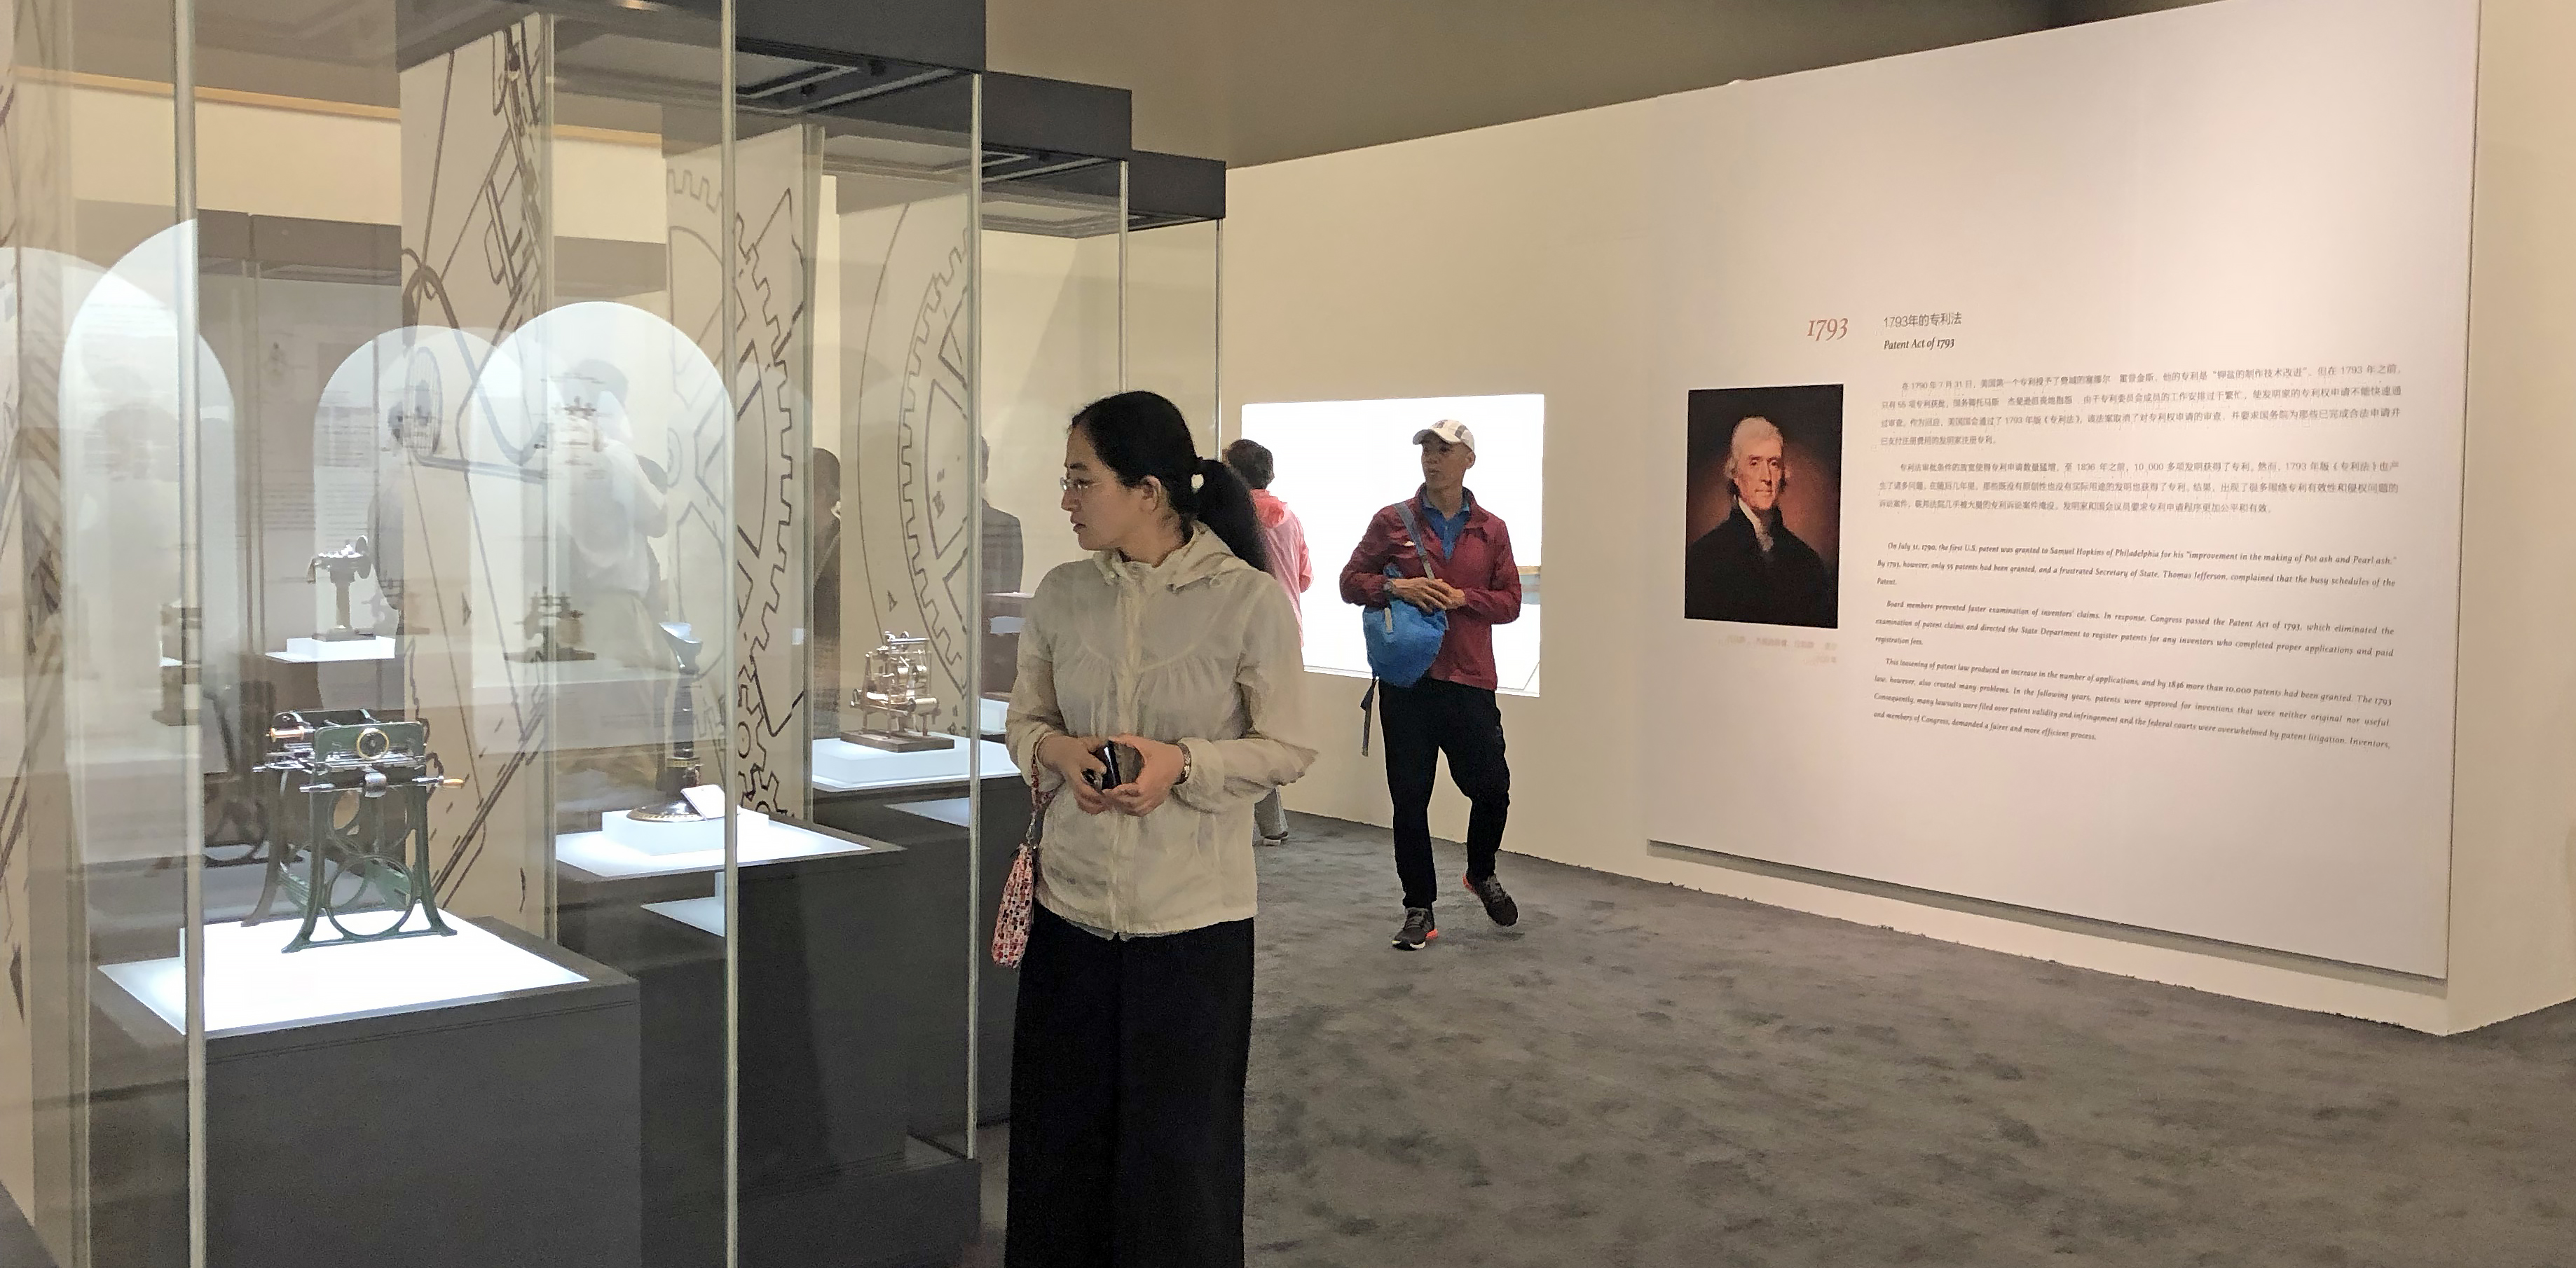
<point x="1078" y="486"/>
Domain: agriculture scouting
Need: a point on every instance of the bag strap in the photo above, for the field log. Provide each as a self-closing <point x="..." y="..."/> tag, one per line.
<point x="1414" y="527"/>
<point x="1368" y="712"/>
<point x="1038" y="803"/>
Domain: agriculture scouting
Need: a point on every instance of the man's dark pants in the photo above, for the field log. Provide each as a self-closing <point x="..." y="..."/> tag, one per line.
<point x="1421" y="722"/>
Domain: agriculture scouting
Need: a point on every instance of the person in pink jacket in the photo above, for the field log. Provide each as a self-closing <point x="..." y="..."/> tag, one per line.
<point x="1286" y="539"/>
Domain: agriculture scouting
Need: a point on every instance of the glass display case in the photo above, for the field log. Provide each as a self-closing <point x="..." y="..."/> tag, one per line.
<point x="370" y="563"/>
<point x="451" y="503"/>
<point x="862" y="178"/>
<point x="509" y="521"/>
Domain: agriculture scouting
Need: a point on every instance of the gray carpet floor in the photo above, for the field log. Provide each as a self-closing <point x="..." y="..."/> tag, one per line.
<point x="1643" y="1075"/>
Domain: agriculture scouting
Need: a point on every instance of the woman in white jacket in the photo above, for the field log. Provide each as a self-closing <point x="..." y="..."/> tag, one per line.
<point x="1135" y="1004"/>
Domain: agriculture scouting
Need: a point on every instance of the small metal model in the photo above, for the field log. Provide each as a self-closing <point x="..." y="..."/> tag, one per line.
<point x="897" y="685"/>
<point x="553" y="627"/>
<point x="351" y="562"/>
<point x="361" y="863"/>
<point x="680" y="767"/>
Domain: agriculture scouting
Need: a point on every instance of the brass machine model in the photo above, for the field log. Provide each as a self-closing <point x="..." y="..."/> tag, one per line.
<point x="680" y="766"/>
<point x="553" y="627"/>
<point x="897" y="685"/>
<point x="366" y="875"/>
<point x="352" y="561"/>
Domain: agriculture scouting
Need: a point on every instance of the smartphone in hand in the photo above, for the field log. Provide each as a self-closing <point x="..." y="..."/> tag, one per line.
<point x="1124" y="764"/>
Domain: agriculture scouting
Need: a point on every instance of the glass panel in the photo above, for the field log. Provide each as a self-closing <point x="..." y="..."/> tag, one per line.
<point x="614" y="619"/>
<point x="101" y="649"/>
<point x="395" y="637"/>
<point x="1054" y="245"/>
<point x="1172" y="286"/>
<point x="1054" y="255"/>
<point x="860" y="988"/>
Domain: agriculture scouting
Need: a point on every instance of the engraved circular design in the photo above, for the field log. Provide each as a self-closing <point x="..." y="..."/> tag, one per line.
<point x="934" y="444"/>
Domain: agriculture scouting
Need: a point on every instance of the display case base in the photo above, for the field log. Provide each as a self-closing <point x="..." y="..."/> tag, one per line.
<point x="830" y="1173"/>
<point x="487" y="1129"/>
<point x="18" y="1241"/>
<point x="930" y="823"/>
<point x="920" y="1210"/>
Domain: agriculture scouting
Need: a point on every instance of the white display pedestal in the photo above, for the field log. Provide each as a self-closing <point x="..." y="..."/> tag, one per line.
<point x="956" y="812"/>
<point x="360" y="673"/>
<point x="253" y="983"/>
<point x="840" y="766"/>
<point x="684" y="837"/>
<point x="758" y="839"/>
<point x="314" y="651"/>
<point x="496" y="1067"/>
<point x="704" y="914"/>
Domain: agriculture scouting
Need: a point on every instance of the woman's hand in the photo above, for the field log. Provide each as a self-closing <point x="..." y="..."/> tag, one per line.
<point x="1072" y="757"/>
<point x="1153" y="784"/>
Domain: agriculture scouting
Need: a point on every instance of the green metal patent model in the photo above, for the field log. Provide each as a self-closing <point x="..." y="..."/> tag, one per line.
<point x="361" y="862"/>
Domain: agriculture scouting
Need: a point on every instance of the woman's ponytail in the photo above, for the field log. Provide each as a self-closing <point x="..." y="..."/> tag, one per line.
<point x="1225" y="506"/>
<point x="1141" y="435"/>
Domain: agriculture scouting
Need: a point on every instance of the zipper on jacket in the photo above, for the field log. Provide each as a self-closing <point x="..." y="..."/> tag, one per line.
<point x="1126" y="831"/>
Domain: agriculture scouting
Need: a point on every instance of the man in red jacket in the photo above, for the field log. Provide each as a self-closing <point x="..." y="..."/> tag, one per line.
<point x="1452" y="709"/>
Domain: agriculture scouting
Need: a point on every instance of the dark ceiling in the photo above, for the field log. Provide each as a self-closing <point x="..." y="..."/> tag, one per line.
<point x="1257" y="81"/>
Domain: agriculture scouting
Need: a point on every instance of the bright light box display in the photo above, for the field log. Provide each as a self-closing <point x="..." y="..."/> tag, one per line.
<point x="1338" y="463"/>
<point x="251" y="981"/>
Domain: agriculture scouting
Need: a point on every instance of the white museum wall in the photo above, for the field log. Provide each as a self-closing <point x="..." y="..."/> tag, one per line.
<point x="1515" y="259"/>
<point x="2513" y="861"/>
<point x="1495" y="262"/>
<point x="2148" y="457"/>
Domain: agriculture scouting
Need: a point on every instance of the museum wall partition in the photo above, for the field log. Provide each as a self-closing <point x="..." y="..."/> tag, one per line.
<point x="2162" y="565"/>
<point x="505" y="627"/>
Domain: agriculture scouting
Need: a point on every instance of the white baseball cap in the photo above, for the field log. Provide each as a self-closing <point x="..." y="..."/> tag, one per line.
<point x="1448" y="429"/>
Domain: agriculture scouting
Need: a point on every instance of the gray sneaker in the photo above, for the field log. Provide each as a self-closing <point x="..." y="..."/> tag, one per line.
<point x="1418" y="931"/>
<point x="1498" y="904"/>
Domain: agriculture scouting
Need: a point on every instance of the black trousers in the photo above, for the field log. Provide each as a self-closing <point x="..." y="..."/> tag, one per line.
<point x="1421" y="722"/>
<point x="1127" y="1075"/>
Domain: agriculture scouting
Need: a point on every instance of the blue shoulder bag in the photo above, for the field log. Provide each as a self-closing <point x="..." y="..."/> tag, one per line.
<point x="1402" y="639"/>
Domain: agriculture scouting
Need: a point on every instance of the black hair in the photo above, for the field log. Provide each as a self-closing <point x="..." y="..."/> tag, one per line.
<point x="1141" y="435"/>
<point x="1251" y="460"/>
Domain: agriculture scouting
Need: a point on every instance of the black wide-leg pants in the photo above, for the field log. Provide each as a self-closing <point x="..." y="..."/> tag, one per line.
<point x="1127" y="1071"/>
<point x="1422" y="722"/>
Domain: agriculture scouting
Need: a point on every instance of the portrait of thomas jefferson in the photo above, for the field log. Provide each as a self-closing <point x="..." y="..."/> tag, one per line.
<point x="1751" y="567"/>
